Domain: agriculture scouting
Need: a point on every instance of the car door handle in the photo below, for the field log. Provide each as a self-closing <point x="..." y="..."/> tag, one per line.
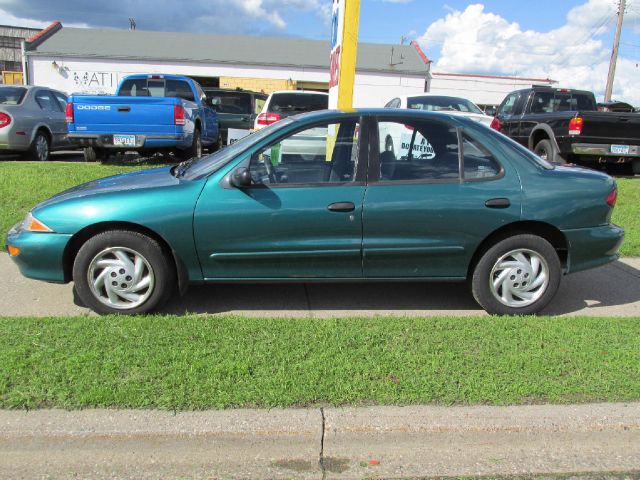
<point x="498" y="203"/>
<point x="341" y="207"/>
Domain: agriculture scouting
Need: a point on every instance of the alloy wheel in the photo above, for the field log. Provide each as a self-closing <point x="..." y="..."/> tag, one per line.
<point x="42" y="148"/>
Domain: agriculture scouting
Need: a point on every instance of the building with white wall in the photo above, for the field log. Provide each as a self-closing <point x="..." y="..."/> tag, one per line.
<point x="84" y="60"/>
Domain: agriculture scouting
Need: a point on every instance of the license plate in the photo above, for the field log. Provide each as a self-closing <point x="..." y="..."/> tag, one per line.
<point x="124" y="140"/>
<point x="620" y="149"/>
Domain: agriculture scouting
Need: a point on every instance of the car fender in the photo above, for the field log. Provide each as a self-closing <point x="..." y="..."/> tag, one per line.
<point x="37" y="127"/>
<point x="549" y="133"/>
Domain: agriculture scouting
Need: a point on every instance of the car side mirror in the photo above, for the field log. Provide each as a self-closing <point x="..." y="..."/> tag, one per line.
<point x="240" y="178"/>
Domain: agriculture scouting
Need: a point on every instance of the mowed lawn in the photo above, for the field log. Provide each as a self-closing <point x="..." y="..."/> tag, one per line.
<point x="201" y="362"/>
<point x="24" y="184"/>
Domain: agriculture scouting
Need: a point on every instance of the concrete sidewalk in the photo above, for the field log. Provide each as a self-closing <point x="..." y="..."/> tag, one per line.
<point x="612" y="290"/>
<point x="349" y="443"/>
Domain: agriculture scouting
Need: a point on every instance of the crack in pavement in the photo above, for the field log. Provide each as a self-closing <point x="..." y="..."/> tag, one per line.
<point x="322" y="433"/>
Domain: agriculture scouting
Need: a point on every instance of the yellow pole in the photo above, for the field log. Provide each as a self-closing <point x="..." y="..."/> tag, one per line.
<point x="349" y="54"/>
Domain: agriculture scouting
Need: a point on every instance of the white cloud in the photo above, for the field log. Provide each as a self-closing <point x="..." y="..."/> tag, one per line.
<point x="476" y="41"/>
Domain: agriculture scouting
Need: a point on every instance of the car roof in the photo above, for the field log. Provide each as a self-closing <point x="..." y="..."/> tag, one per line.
<point x="298" y="92"/>
<point x="383" y="112"/>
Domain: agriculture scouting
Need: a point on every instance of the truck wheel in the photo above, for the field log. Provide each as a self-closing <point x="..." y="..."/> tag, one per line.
<point x="92" y="154"/>
<point x="545" y="150"/>
<point x="195" y="150"/>
<point x="635" y="166"/>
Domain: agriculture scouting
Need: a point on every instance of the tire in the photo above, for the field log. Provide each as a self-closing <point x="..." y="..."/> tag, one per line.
<point x="92" y="154"/>
<point x="195" y="149"/>
<point x="40" y="147"/>
<point x="635" y="167"/>
<point x="112" y="255"/>
<point x="545" y="150"/>
<point x="514" y="261"/>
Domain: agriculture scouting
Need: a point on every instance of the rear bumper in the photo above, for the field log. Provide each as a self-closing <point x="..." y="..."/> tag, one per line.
<point x="593" y="247"/>
<point x="143" y="141"/>
<point x="605" y="150"/>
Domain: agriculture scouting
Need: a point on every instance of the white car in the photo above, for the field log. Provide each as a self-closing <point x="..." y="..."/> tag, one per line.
<point x="397" y="140"/>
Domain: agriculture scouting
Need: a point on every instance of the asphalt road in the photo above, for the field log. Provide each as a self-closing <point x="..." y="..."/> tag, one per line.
<point x="612" y="290"/>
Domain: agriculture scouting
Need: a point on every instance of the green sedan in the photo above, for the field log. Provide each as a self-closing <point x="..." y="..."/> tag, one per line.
<point x="455" y="201"/>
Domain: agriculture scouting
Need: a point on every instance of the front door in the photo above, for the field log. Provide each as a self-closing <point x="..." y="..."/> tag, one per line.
<point x="301" y="217"/>
<point x="433" y="203"/>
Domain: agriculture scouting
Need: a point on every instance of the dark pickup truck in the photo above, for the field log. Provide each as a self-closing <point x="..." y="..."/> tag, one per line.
<point x="564" y="125"/>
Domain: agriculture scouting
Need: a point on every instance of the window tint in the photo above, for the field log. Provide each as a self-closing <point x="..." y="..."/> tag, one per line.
<point x="292" y="103"/>
<point x="507" y="105"/>
<point x="46" y="101"/>
<point x="542" y="102"/>
<point x="134" y="88"/>
<point x="478" y="161"/>
<point x="230" y="102"/>
<point x="584" y="102"/>
<point x="156" y="87"/>
<point x="179" y="89"/>
<point x="418" y="150"/>
<point x="318" y="155"/>
<point x="62" y="100"/>
<point x="12" y="95"/>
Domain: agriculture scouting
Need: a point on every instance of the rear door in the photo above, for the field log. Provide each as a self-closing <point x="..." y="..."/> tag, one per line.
<point x="54" y="115"/>
<point x="426" y="213"/>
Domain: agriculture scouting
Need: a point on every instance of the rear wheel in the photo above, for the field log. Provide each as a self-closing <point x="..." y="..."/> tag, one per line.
<point x="635" y="166"/>
<point x="122" y="272"/>
<point x="195" y="150"/>
<point x="93" y="154"/>
<point x="517" y="276"/>
<point x="545" y="150"/>
<point x="40" y="146"/>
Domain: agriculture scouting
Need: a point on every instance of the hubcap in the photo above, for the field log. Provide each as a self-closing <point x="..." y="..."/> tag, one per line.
<point x="519" y="278"/>
<point x="42" y="148"/>
<point x="120" y="278"/>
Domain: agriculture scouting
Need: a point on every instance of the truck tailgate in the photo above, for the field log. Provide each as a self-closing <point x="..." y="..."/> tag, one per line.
<point x="110" y="114"/>
<point x="622" y="128"/>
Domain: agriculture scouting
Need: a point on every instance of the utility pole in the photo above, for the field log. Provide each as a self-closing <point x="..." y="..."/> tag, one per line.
<point x="614" y="53"/>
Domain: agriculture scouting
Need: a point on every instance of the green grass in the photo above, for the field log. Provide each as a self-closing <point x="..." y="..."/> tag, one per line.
<point x="627" y="214"/>
<point x="24" y="184"/>
<point x="199" y="362"/>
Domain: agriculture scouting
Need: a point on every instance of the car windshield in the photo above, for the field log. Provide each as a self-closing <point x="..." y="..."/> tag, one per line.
<point x="230" y="102"/>
<point x="12" y="95"/>
<point x="292" y="103"/>
<point x="211" y="163"/>
<point x="440" y="104"/>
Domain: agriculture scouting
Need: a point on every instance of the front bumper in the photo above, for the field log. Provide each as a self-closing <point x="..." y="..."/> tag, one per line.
<point x="41" y="254"/>
<point x="142" y="141"/>
<point x="593" y="247"/>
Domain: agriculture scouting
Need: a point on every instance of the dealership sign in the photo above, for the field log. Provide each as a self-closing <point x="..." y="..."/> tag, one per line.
<point x="344" y="45"/>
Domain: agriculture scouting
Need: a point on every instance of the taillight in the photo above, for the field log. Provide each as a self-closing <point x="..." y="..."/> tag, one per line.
<point x="68" y="112"/>
<point x="496" y="124"/>
<point x="268" y="118"/>
<point x="4" y="120"/>
<point x="575" y="126"/>
<point x="178" y="115"/>
<point x="612" y="197"/>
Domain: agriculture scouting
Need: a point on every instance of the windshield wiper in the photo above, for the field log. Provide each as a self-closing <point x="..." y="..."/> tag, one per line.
<point x="180" y="169"/>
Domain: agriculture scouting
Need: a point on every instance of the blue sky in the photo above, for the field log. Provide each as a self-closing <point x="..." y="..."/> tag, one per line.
<point x="567" y="40"/>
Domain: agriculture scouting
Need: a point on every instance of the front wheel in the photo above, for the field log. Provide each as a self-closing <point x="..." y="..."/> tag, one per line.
<point x="517" y="276"/>
<point x="122" y="272"/>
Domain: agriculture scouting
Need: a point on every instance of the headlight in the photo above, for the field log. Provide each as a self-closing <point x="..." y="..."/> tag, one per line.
<point x="32" y="224"/>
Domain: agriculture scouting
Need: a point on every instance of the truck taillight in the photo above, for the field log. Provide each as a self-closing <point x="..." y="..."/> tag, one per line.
<point x="612" y="197"/>
<point x="575" y="126"/>
<point x="68" y="112"/>
<point x="178" y="115"/>
<point x="4" y="120"/>
<point x="268" y="118"/>
<point x="496" y="124"/>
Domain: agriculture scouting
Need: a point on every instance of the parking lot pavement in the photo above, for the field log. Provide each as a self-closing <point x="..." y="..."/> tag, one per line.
<point x="338" y="443"/>
<point x="612" y="290"/>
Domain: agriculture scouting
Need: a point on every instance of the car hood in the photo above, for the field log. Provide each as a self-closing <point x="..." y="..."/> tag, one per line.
<point x="143" y="179"/>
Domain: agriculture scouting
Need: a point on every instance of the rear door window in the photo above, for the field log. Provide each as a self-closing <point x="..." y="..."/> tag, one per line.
<point x="292" y="103"/>
<point x="230" y="102"/>
<point x="46" y="102"/>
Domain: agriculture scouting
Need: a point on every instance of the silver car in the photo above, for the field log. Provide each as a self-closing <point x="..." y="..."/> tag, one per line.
<point x="32" y="121"/>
